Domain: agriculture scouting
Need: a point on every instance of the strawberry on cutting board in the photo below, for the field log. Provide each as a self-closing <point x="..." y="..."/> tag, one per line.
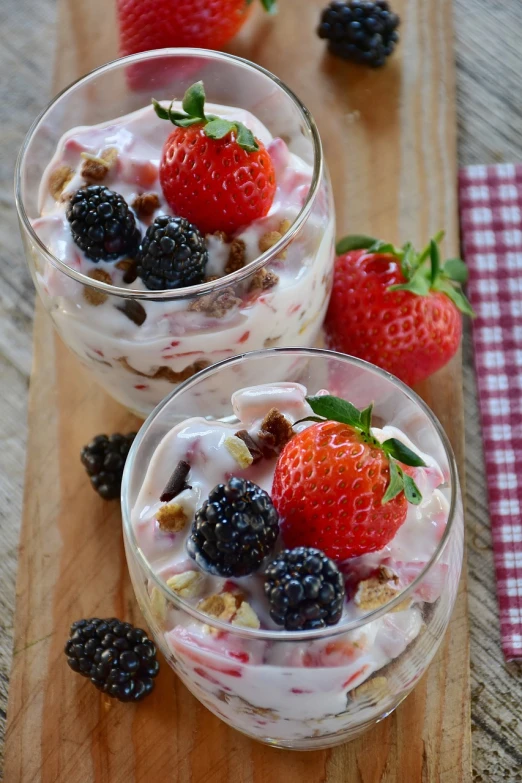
<point x="396" y="308"/>
<point x="336" y="488"/>
<point x="213" y="171"/>
<point x="156" y="24"/>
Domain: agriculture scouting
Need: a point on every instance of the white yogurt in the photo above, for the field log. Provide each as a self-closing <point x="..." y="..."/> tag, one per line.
<point x="124" y="356"/>
<point x="284" y="689"/>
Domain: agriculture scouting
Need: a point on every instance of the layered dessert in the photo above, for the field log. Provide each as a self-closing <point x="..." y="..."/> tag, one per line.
<point x="191" y="208"/>
<point x="288" y="533"/>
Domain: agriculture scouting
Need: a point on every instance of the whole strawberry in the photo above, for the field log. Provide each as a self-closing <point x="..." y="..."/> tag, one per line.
<point x="156" y="24"/>
<point x="213" y="171"/>
<point x="396" y="308"/>
<point x="336" y="488"/>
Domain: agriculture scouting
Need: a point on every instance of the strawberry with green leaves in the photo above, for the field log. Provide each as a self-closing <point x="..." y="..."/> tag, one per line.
<point x="213" y="171"/>
<point x="337" y="488"/>
<point x="396" y="308"/>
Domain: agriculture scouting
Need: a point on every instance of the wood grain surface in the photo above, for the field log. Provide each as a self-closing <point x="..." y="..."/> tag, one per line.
<point x="485" y="136"/>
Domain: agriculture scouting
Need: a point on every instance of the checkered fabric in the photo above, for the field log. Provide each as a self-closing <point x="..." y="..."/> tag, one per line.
<point x="491" y="225"/>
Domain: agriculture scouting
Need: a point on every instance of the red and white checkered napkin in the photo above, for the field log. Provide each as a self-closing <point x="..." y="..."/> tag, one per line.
<point x="491" y="224"/>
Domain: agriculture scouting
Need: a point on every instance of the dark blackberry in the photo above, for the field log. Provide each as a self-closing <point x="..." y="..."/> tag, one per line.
<point x="119" y="659"/>
<point x="305" y="589"/>
<point x="172" y="254"/>
<point x="359" y="30"/>
<point x="104" y="459"/>
<point x="235" y="529"/>
<point x="102" y="223"/>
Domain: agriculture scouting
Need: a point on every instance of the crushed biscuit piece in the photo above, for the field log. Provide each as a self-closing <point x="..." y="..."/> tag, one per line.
<point x="284" y="226"/>
<point x="146" y="204"/>
<point x="222" y="606"/>
<point x="276" y="430"/>
<point x="268" y="240"/>
<point x="172" y="518"/>
<point x="239" y="451"/>
<point x="245" y="617"/>
<point x="158" y="604"/>
<point x="92" y="295"/>
<point x="189" y="584"/>
<point x="271" y="341"/>
<point x="402" y="606"/>
<point x="94" y="169"/>
<point x="376" y="686"/>
<point x="165" y="373"/>
<point x="375" y="591"/>
<point x="236" y="256"/>
<point x="215" y="305"/>
<point x="211" y="278"/>
<point x="59" y="179"/>
<point x="251" y="445"/>
<point x="221" y="235"/>
<point x="263" y="279"/>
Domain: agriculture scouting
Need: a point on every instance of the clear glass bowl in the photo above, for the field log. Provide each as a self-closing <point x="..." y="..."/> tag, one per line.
<point x="305" y="697"/>
<point x="139" y="363"/>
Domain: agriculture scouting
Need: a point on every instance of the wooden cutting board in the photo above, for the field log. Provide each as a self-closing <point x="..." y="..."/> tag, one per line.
<point x="389" y="138"/>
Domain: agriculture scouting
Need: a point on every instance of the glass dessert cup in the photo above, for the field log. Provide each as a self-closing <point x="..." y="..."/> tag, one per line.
<point x="323" y="687"/>
<point x="140" y="343"/>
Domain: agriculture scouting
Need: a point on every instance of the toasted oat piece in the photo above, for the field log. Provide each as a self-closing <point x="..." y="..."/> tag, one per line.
<point x="222" y="606"/>
<point x="284" y="226"/>
<point x="146" y="204"/>
<point x="189" y="584"/>
<point x="158" y="605"/>
<point x="94" y="168"/>
<point x="253" y="448"/>
<point x="276" y="430"/>
<point x="165" y="373"/>
<point x="245" y="617"/>
<point x="172" y="518"/>
<point x="268" y="240"/>
<point x="91" y="295"/>
<point x="238" y="449"/>
<point x="59" y="179"/>
<point x="236" y="256"/>
<point x="374" y="685"/>
<point x="263" y="279"/>
<point x="377" y="590"/>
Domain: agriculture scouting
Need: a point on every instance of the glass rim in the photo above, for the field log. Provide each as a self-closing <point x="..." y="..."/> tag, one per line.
<point x="202" y="288"/>
<point x="274" y="635"/>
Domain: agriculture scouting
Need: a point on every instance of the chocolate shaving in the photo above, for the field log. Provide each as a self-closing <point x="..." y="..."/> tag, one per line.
<point x="133" y="310"/>
<point x="276" y="430"/>
<point x="251" y="445"/>
<point x="129" y="268"/>
<point x="176" y="482"/>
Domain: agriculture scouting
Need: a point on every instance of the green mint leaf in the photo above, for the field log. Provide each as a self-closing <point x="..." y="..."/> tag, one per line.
<point x="354" y="242"/>
<point x="456" y="270"/>
<point x="366" y="419"/>
<point x="396" y="485"/>
<point x="336" y="409"/>
<point x="411" y="490"/>
<point x="194" y="101"/>
<point x="245" y="138"/>
<point x="456" y="296"/>
<point x="160" y="110"/>
<point x="396" y="449"/>
<point x="218" y="129"/>
<point x="435" y="261"/>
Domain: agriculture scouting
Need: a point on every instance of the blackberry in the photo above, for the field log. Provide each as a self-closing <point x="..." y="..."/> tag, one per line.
<point x="235" y="529"/>
<point x="104" y="459"/>
<point x="119" y="659"/>
<point x="363" y="31"/>
<point x="102" y="223"/>
<point x="305" y="589"/>
<point x="172" y="254"/>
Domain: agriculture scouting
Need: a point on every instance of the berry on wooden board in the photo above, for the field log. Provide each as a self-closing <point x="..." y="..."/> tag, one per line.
<point x="104" y="459"/>
<point x="156" y="24"/>
<point x="396" y="308"/>
<point x="213" y="171"/>
<point x="360" y="30"/>
<point x="337" y="488"/>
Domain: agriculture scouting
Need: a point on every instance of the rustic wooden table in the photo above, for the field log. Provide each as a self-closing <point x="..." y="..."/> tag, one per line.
<point x="489" y="74"/>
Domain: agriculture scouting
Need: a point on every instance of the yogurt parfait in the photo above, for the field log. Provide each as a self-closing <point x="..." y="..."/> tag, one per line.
<point x="165" y="235"/>
<point x="296" y="554"/>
